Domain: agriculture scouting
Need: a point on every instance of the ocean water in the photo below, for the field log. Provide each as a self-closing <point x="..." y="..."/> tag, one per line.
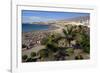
<point x="34" y="27"/>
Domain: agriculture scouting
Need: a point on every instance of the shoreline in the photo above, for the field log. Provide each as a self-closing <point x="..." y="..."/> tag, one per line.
<point x="51" y="28"/>
<point x="35" y="24"/>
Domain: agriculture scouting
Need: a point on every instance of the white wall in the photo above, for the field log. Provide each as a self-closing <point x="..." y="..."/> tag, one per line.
<point x="5" y="34"/>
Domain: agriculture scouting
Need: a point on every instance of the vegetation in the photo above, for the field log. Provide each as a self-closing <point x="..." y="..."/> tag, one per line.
<point x="33" y="54"/>
<point x="69" y="51"/>
<point x="60" y="47"/>
<point x="24" y="57"/>
<point x="43" y="53"/>
<point x="85" y="43"/>
<point x="31" y="60"/>
<point x="79" y="57"/>
<point x="69" y="35"/>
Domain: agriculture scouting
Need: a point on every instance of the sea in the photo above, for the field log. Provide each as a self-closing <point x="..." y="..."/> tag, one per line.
<point x="26" y="27"/>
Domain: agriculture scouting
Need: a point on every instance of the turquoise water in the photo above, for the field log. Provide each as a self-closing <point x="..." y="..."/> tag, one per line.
<point x="34" y="27"/>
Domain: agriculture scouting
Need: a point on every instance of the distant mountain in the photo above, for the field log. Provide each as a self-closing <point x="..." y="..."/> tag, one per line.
<point x="84" y="20"/>
<point x="80" y="18"/>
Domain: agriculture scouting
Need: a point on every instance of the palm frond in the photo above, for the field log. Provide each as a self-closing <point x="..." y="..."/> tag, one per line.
<point x="65" y="32"/>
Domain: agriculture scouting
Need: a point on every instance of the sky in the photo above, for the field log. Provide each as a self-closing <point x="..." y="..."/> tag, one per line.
<point x="29" y="16"/>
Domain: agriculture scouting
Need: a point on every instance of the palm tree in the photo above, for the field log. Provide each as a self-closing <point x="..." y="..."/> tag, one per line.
<point x="68" y="32"/>
<point x="85" y="43"/>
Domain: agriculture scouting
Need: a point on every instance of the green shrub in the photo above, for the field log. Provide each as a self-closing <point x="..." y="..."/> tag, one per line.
<point x="24" y="57"/>
<point x="85" y="43"/>
<point x="70" y="51"/>
<point x="31" y="60"/>
<point x="33" y="54"/>
<point x="79" y="57"/>
<point x="43" y="53"/>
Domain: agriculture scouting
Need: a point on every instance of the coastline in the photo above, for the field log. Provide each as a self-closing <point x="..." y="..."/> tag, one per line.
<point x="51" y="28"/>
